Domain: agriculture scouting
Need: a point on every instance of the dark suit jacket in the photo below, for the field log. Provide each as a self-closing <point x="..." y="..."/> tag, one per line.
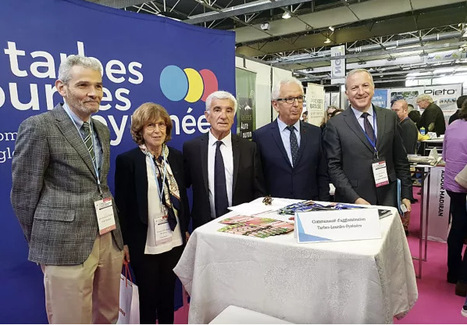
<point x="433" y="120"/>
<point x="54" y="188"/>
<point x="309" y="179"/>
<point x="350" y="156"/>
<point x="247" y="177"/>
<point x="131" y="195"/>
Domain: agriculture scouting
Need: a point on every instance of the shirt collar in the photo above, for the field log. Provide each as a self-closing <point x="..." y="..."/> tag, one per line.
<point x="358" y="113"/>
<point x="227" y="140"/>
<point x="282" y="125"/>
<point x="73" y="116"/>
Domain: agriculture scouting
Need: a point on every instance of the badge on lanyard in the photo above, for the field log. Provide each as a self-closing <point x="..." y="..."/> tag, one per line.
<point x="105" y="215"/>
<point x="380" y="173"/>
<point x="162" y="230"/>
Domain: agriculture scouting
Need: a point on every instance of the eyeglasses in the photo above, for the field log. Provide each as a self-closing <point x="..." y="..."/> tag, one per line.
<point x="291" y="100"/>
<point x="152" y="126"/>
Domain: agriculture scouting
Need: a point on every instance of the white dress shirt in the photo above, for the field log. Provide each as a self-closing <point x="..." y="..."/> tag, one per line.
<point x="227" y="156"/>
<point x="371" y="118"/>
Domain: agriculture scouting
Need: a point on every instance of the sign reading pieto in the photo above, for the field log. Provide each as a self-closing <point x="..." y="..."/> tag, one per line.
<point x="339" y="225"/>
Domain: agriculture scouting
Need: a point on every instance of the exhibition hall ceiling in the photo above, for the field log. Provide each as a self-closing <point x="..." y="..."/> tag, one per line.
<point x="394" y="39"/>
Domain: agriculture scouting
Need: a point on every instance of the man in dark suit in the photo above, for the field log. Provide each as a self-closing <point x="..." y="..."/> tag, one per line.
<point x="59" y="192"/>
<point x="222" y="168"/>
<point x="364" y="149"/>
<point x="291" y="153"/>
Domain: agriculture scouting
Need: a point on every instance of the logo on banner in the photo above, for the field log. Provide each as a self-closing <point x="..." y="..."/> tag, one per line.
<point x="188" y="84"/>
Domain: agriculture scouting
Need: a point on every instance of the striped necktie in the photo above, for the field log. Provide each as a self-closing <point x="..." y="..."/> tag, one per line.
<point x="88" y="141"/>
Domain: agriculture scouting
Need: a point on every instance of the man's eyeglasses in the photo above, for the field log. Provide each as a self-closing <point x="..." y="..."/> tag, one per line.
<point x="291" y="100"/>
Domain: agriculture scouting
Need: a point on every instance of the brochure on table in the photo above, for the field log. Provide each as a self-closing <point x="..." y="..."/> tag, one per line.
<point x="338" y="225"/>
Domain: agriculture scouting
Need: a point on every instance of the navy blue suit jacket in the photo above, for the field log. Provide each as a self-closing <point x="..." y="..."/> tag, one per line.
<point x="309" y="179"/>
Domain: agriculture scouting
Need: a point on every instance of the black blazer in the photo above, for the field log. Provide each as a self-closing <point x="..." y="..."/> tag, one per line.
<point x="350" y="156"/>
<point x="247" y="177"/>
<point x="131" y="197"/>
<point x="309" y="179"/>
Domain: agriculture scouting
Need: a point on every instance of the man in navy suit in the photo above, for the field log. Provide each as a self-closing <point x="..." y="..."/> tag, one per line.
<point x="364" y="149"/>
<point x="293" y="162"/>
<point x="241" y="173"/>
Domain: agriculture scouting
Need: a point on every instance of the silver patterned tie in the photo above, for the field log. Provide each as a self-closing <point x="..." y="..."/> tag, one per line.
<point x="88" y="141"/>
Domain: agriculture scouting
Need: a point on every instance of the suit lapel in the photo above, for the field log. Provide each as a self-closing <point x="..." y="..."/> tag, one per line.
<point x="71" y="134"/>
<point x="275" y="133"/>
<point x="236" y="160"/>
<point x="204" y="142"/>
<point x="303" y="141"/>
<point x="351" y="120"/>
<point x="381" y="124"/>
<point x="102" y="135"/>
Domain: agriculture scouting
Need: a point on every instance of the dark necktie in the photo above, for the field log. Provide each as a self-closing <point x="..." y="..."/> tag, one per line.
<point x="293" y="144"/>
<point x="175" y="202"/>
<point x="220" y="189"/>
<point x="368" y="128"/>
<point x="88" y="141"/>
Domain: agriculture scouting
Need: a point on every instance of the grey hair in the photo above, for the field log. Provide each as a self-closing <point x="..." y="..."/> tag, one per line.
<point x="220" y="94"/>
<point x="426" y="97"/>
<point x="354" y="71"/>
<point x="276" y="90"/>
<point x="64" y="72"/>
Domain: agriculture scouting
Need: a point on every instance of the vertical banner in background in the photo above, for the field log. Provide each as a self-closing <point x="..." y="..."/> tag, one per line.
<point x="380" y="98"/>
<point x="438" y="206"/>
<point x="315" y="103"/>
<point x="145" y="58"/>
<point x="246" y="99"/>
<point x="338" y="65"/>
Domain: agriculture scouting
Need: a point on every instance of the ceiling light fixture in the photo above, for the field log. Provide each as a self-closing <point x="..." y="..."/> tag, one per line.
<point x="327" y="41"/>
<point x="286" y="15"/>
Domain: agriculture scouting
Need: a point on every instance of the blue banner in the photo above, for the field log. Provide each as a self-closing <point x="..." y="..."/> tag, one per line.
<point x="145" y="58"/>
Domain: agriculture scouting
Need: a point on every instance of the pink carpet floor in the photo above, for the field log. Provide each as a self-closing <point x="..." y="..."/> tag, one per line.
<point x="437" y="303"/>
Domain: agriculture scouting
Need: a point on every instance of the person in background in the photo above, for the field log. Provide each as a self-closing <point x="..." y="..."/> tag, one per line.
<point x="59" y="190"/>
<point x="151" y="197"/>
<point x="409" y="134"/>
<point x="327" y="115"/>
<point x="459" y="103"/>
<point x="432" y="118"/>
<point x="415" y="116"/>
<point x="455" y="156"/>
<point x="222" y="168"/>
<point x="305" y="116"/>
<point x="336" y="112"/>
<point x="364" y="149"/>
<point x="409" y="130"/>
<point x="293" y="161"/>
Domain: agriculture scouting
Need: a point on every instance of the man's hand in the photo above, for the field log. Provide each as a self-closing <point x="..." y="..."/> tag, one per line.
<point x="362" y="201"/>
<point x="407" y="204"/>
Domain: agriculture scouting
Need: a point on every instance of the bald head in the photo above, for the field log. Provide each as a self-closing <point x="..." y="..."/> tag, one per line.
<point x="401" y="108"/>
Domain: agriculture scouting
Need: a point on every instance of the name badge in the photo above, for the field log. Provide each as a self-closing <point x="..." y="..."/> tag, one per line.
<point x="380" y="173"/>
<point x="162" y="230"/>
<point x="105" y="215"/>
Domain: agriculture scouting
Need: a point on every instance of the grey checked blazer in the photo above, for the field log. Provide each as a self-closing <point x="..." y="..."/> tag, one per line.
<point x="54" y="188"/>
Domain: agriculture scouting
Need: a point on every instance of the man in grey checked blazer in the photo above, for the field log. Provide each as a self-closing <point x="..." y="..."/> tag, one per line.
<point x="55" y="185"/>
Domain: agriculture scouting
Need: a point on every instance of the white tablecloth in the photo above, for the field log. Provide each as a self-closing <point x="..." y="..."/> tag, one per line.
<point x="367" y="281"/>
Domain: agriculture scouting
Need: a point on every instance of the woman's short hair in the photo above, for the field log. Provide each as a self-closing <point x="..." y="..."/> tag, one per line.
<point x="148" y="113"/>
<point x="463" y="111"/>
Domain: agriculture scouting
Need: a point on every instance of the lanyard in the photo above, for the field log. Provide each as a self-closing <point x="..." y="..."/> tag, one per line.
<point x="153" y="166"/>
<point x="373" y="144"/>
